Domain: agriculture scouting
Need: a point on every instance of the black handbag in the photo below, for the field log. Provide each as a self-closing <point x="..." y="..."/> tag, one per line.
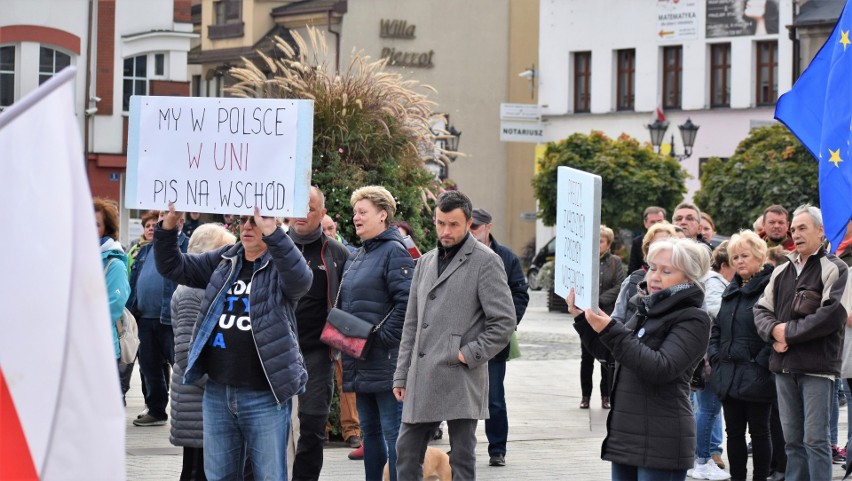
<point x="805" y="303"/>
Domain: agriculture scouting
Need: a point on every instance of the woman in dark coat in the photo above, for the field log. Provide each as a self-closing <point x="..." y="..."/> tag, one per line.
<point x="374" y="287"/>
<point x="740" y="358"/>
<point x="651" y="428"/>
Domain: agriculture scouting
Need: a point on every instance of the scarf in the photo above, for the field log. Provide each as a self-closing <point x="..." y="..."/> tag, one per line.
<point x="306" y="239"/>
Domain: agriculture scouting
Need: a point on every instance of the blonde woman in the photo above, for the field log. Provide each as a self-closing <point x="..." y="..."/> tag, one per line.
<point x="375" y="285"/>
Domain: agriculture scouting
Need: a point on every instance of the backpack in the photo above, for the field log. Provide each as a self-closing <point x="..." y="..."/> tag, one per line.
<point x="128" y="333"/>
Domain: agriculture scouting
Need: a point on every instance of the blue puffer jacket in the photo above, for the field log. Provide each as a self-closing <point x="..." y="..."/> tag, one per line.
<point x="168" y="285"/>
<point x="281" y="277"/>
<point x="375" y="282"/>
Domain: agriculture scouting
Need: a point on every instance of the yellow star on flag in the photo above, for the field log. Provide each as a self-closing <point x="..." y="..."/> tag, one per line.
<point x="835" y="157"/>
<point x="844" y="39"/>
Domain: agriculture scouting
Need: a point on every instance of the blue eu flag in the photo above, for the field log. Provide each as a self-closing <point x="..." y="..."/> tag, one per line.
<point x="818" y="110"/>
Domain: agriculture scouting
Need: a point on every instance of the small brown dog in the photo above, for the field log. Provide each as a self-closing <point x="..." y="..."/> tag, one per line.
<point x="436" y="466"/>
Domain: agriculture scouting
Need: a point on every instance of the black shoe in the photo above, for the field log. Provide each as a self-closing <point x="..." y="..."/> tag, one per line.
<point x="438" y="434"/>
<point x="497" y="460"/>
<point x="354" y="441"/>
<point x="776" y="476"/>
<point x="148" y="420"/>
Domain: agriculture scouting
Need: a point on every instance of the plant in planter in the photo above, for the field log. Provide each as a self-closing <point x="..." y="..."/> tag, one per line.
<point x="371" y="127"/>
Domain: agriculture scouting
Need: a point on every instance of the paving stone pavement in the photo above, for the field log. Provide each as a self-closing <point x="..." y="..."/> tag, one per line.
<point x="550" y="438"/>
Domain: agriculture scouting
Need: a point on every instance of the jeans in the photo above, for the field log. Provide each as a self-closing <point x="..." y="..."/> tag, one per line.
<point x="623" y="472"/>
<point x="835" y="413"/>
<point x="497" y="426"/>
<point x="240" y="422"/>
<point x="587" y="367"/>
<point x="313" y="408"/>
<point x="804" y="404"/>
<point x="381" y="415"/>
<point x="848" y="410"/>
<point x="708" y="424"/>
<point x="738" y="415"/>
<point x="156" y="343"/>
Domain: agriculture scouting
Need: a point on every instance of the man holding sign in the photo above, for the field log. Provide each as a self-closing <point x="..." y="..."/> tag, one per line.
<point x="245" y="342"/>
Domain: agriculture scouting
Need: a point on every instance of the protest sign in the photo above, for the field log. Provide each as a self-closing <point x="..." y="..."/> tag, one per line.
<point x="578" y="220"/>
<point x="220" y="155"/>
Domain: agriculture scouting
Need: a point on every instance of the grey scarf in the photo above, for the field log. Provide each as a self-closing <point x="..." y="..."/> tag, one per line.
<point x="305" y="239"/>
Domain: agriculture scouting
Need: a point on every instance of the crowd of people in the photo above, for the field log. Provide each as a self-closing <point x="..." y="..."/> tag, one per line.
<point x="752" y="329"/>
<point x="749" y="330"/>
<point x="231" y="314"/>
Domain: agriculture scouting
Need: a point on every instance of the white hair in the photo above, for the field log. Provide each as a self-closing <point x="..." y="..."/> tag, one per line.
<point x="812" y="211"/>
<point x="688" y="256"/>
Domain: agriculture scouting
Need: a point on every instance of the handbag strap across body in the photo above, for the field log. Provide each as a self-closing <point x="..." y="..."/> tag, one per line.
<point x="339" y="288"/>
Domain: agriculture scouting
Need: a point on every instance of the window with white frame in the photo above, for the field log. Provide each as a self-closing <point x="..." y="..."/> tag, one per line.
<point x="51" y="62"/>
<point x="7" y="75"/>
<point x="135" y="77"/>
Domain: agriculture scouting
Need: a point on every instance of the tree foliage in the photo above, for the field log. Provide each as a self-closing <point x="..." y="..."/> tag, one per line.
<point x="371" y="127"/>
<point x="770" y="166"/>
<point x="633" y="177"/>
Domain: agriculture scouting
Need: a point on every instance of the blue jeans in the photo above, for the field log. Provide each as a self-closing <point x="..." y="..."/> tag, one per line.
<point x="708" y="424"/>
<point x="623" y="472"/>
<point x="156" y="344"/>
<point x="804" y="405"/>
<point x="497" y="424"/>
<point x="381" y="415"/>
<point x="240" y="422"/>
<point x="835" y="413"/>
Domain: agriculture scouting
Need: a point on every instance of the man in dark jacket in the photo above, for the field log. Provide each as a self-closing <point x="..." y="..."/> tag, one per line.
<point x="776" y="224"/>
<point x="150" y="302"/>
<point x="497" y="424"/>
<point x="245" y="341"/>
<point x="326" y="258"/>
<point x="803" y="312"/>
<point x="651" y="216"/>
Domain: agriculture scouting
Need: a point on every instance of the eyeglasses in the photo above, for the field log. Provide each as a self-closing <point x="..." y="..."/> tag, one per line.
<point x="250" y="218"/>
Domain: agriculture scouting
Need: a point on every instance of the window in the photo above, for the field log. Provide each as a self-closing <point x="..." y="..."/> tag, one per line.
<point x="196" y="85"/>
<point x="135" y="78"/>
<point x="228" y="11"/>
<point x="159" y="64"/>
<point x="626" y="71"/>
<point x="7" y="76"/>
<point x="767" y="73"/>
<point x="50" y="62"/>
<point x="582" y="81"/>
<point x="720" y="75"/>
<point x="672" y="75"/>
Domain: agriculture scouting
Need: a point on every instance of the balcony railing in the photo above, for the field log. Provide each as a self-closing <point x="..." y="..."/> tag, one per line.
<point x="228" y="30"/>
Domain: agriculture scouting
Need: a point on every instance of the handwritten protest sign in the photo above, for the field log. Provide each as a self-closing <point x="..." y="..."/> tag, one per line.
<point x="578" y="220"/>
<point x="220" y="155"/>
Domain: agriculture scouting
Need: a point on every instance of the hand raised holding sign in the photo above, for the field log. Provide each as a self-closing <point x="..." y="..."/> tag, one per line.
<point x="597" y="320"/>
<point x="171" y="218"/>
<point x="267" y="225"/>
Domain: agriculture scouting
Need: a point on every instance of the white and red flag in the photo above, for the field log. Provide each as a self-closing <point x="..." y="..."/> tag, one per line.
<point x="61" y="415"/>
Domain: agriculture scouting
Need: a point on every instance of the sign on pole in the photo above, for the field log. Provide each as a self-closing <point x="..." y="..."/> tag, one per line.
<point x="523" y="112"/>
<point x="511" y="131"/>
<point x="578" y="220"/>
<point x="220" y="155"/>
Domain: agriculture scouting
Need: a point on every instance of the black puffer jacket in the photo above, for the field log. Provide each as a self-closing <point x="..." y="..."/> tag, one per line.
<point x="651" y="423"/>
<point x="738" y="356"/>
<point x="375" y="282"/>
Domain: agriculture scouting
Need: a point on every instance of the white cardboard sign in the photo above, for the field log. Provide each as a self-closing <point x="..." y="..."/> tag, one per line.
<point x="578" y="220"/>
<point x="220" y="155"/>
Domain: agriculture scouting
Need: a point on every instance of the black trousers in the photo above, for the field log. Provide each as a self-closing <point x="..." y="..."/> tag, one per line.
<point x="738" y="415"/>
<point x="779" y="455"/>
<point x="587" y="367"/>
<point x="314" y="405"/>
<point x="193" y="465"/>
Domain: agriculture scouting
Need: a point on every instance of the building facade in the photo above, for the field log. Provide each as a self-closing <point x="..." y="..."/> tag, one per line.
<point x="119" y="47"/>
<point x="720" y="63"/>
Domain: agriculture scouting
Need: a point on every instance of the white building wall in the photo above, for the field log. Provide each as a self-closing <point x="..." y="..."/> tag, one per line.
<point x="602" y="27"/>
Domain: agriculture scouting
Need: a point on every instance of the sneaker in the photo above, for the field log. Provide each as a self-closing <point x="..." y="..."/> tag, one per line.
<point x="358" y="454"/>
<point x="148" y="420"/>
<point x="717" y="458"/>
<point x="354" y="441"/>
<point x="142" y="413"/>
<point x="709" y="470"/>
<point x="838" y="455"/>
<point x="497" y="460"/>
<point x="692" y="470"/>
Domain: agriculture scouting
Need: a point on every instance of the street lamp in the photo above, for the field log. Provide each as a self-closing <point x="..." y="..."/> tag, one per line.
<point x="452" y="141"/>
<point x="688" y="132"/>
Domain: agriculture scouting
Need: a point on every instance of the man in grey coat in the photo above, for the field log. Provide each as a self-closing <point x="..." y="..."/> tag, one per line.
<point x="460" y="315"/>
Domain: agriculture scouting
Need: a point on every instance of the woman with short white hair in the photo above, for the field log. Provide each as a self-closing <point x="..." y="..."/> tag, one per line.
<point x="651" y="429"/>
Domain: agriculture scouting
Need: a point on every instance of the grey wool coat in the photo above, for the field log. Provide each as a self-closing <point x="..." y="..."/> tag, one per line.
<point x="469" y="308"/>
<point x="187" y="422"/>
